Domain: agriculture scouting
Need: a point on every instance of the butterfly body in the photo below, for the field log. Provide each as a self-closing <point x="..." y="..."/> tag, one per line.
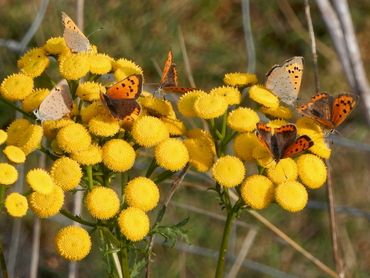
<point x="74" y="38"/>
<point x="329" y="111"/>
<point x="282" y="142"/>
<point x="56" y="104"/>
<point x="121" y="98"/>
<point x="285" y="80"/>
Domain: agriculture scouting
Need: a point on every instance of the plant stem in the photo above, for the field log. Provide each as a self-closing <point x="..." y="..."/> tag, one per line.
<point x="224" y="122"/>
<point x="89" y="173"/>
<point x="162" y="176"/>
<point x="77" y="218"/>
<point x="2" y="195"/>
<point x="153" y="165"/>
<point x="27" y="115"/>
<point x="124" y="263"/>
<point x="4" y="270"/>
<point x="224" y="244"/>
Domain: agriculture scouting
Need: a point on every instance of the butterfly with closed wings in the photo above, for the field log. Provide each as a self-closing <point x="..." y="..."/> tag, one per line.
<point x="285" y="80"/>
<point x="329" y="111"/>
<point x="121" y="98"/>
<point x="282" y="142"/>
<point x="74" y="38"/>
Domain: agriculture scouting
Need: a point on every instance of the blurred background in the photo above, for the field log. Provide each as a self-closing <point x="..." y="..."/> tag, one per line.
<point x="144" y="31"/>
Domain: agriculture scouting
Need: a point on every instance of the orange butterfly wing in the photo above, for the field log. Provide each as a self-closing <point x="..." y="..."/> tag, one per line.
<point x="167" y="67"/>
<point x="128" y="88"/>
<point x="342" y="106"/>
<point x="301" y="144"/>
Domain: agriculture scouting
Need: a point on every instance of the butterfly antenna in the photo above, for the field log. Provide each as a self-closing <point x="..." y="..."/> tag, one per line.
<point x="97" y="30"/>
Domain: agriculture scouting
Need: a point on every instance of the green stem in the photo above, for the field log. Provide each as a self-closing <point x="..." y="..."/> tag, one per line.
<point x="124" y="181"/>
<point x="162" y="176"/>
<point x="4" y="270"/>
<point x="224" y="244"/>
<point x="77" y="218"/>
<point x="27" y="115"/>
<point x="89" y="172"/>
<point x="153" y="165"/>
<point x="2" y="195"/>
<point x="224" y="122"/>
<point x="124" y="263"/>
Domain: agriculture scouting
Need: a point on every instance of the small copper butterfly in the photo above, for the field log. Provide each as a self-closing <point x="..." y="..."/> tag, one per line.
<point x="168" y="81"/>
<point x="282" y="142"/>
<point x="56" y="104"/>
<point x="285" y="81"/>
<point x="121" y="98"/>
<point x="329" y="111"/>
<point x="74" y="38"/>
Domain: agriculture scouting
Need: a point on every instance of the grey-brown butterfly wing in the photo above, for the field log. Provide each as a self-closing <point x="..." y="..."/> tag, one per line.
<point x="285" y="81"/>
<point x="74" y="38"/>
<point x="57" y="104"/>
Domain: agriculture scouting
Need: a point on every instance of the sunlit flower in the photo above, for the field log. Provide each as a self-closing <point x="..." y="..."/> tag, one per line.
<point x="171" y="154"/>
<point x="74" y="66"/>
<point x="244" y="145"/>
<point x="34" y="62"/>
<point x="100" y="63"/>
<point x="210" y="106"/>
<point x="263" y="96"/>
<point x="200" y="154"/>
<point x="228" y="171"/>
<point x="3" y="136"/>
<point x="102" y="202"/>
<point x="55" y="45"/>
<point x="320" y="148"/>
<point x="15" y="129"/>
<point x="91" y="156"/>
<point x="104" y="125"/>
<point x="291" y="196"/>
<point x="311" y="170"/>
<point x="14" y="154"/>
<point x="40" y="181"/>
<point x="28" y="139"/>
<point x="133" y="223"/>
<point x="231" y="94"/>
<point x="284" y="170"/>
<point x="257" y="191"/>
<point x="123" y="68"/>
<point x="33" y="101"/>
<point x="8" y="174"/>
<point x="309" y="125"/>
<point x="243" y="119"/>
<point x="90" y="91"/>
<point x="282" y="112"/>
<point x="45" y="206"/>
<point x="149" y="131"/>
<point x="51" y="127"/>
<point x="240" y="79"/>
<point x="263" y="157"/>
<point x="92" y="110"/>
<point x="16" y="87"/>
<point x="118" y="155"/>
<point x="142" y="193"/>
<point x="73" y="138"/>
<point x="66" y="173"/>
<point x="16" y="204"/>
<point x="174" y="126"/>
<point x="186" y="102"/>
<point x="73" y="243"/>
<point x="198" y="133"/>
<point x="156" y="107"/>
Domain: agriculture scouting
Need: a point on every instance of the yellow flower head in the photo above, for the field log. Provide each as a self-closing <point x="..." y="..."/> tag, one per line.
<point x="40" y="181"/>
<point x="33" y="101"/>
<point x="118" y="155"/>
<point x="45" y="206"/>
<point x="73" y="138"/>
<point x="307" y="125"/>
<point x="3" y="136"/>
<point x="123" y="68"/>
<point x="14" y="154"/>
<point x="74" y="66"/>
<point x="291" y="196"/>
<point x="142" y="193"/>
<point x="104" y="125"/>
<point x="133" y="223"/>
<point x="15" y="129"/>
<point x="102" y="202"/>
<point x="282" y="112"/>
<point x="210" y="106"/>
<point x="100" y="63"/>
<point x="257" y="191"/>
<point x="186" y="102"/>
<point x="91" y="156"/>
<point x="263" y="96"/>
<point x="73" y="243"/>
<point x="16" y="87"/>
<point x="51" y="127"/>
<point x="243" y="119"/>
<point x="16" y="204"/>
<point x="231" y="94"/>
<point x="56" y="46"/>
<point x="240" y="79"/>
<point x="284" y="170"/>
<point x="320" y="148"/>
<point x="171" y="154"/>
<point x="276" y="123"/>
<point x="30" y="139"/>
<point x="198" y="133"/>
<point x="175" y="127"/>
<point x="156" y="107"/>
<point x="228" y="171"/>
<point x="244" y="144"/>
<point x="92" y="110"/>
<point x="66" y="173"/>
<point x="149" y="131"/>
<point x="312" y="171"/>
<point x="34" y="62"/>
<point x="200" y="154"/>
<point x="8" y="174"/>
<point x="263" y="157"/>
<point x="90" y="91"/>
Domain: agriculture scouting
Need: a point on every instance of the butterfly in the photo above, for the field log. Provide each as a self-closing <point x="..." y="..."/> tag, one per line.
<point x="121" y="98"/>
<point x="56" y="104"/>
<point x="168" y="81"/>
<point x="282" y="142"/>
<point x="329" y="111"/>
<point x="74" y="38"/>
<point x="285" y="80"/>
